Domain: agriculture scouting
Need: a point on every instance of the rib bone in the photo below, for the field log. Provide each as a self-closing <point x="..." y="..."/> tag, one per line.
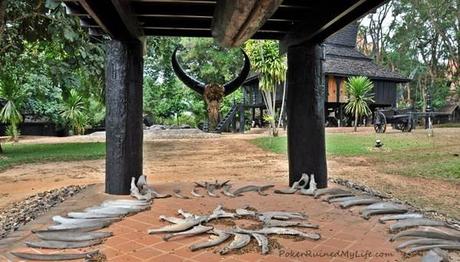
<point x="73" y="236"/>
<point x="221" y="237"/>
<point x="262" y="241"/>
<point x="399" y="217"/>
<point x="408" y="223"/>
<point x="240" y="240"/>
<point x="190" y="222"/>
<point x="54" y="257"/>
<point x="358" y="202"/>
<point x="330" y="191"/>
<point x="429" y="232"/>
<point x="196" y="230"/>
<point x="63" y="244"/>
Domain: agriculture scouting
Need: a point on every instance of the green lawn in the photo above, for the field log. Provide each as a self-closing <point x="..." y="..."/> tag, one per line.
<point x="406" y="154"/>
<point x="16" y="154"/>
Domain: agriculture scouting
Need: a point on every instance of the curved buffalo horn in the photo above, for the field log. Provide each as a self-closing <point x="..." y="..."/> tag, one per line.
<point x="194" y="84"/>
<point x="238" y="81"/>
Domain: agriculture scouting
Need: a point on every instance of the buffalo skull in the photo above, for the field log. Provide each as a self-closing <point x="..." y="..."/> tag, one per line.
<point x="212" y="93"/>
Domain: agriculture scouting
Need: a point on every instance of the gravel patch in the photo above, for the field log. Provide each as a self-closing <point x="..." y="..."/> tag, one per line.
<point x="151" y="134"/>
<point x="20" y="213"/>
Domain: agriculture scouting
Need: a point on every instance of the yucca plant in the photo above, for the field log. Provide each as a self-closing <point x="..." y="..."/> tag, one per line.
<point x="359" y="96"/>
<point x="73" y="112"/>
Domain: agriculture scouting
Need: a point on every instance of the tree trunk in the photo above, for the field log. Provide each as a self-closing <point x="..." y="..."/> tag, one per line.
<point x="1" y="149"/>
<point x="356" y="121"/>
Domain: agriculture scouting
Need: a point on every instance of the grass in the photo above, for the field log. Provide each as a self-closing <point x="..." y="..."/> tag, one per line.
<point x="17" y="154"/>
<point x="408" y="154"/>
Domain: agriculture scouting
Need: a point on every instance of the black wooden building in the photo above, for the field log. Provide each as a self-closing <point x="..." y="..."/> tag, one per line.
<point x="342" y="60"/>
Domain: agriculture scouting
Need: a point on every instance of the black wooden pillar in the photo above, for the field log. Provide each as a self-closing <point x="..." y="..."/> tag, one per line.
<point x="124" y="76"/>
<point x="305" y="112"/>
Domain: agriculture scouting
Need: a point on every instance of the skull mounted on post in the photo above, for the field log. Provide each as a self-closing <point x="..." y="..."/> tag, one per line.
<point x="212" y="93"/>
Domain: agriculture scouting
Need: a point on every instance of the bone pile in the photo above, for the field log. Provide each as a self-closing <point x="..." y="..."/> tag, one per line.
<point x="421" y="233"/>
<point x="272" y="222"/>
<point x="80" y="229"/>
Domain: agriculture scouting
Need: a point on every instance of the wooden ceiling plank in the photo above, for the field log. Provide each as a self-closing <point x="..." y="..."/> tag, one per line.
<point x="124" y="10"/>
<point x="344" y="14"/>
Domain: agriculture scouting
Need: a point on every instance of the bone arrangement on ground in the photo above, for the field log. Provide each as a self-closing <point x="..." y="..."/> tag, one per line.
<point x="79" y="230"/>
<point x="271" y="222"/>
<point x="424" y="234"/>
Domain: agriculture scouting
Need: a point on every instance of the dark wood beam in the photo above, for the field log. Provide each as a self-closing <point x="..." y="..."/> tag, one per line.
<point x="124" y="128"/>
<point x="235" y="21"/>
<point x="124" y="10"/>
<point x="203" y="32"/>
<point x="336" y="17"/>
<point x="305" y="111"/>
<point x="110" y="19"/>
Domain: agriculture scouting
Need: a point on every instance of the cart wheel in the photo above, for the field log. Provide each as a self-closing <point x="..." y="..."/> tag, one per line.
<point x="380" y="125"/>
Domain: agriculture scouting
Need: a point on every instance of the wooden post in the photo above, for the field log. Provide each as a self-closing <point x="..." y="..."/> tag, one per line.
<point x="124" y="76"/>
<point x="305" y="109"/>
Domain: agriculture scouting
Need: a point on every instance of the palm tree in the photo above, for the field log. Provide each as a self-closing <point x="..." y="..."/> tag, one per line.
<point x="12" y="96"/>
<point x="359" y="88"/>
<point x="271" y="66"/>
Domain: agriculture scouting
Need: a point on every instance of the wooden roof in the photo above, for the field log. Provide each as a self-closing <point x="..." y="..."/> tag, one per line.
<point x="291" y="21"/>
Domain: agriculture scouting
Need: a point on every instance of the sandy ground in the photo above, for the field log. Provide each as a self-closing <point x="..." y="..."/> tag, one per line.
<point x="231" y="157"/>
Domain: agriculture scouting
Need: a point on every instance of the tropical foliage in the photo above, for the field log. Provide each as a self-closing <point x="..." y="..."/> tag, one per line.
<point x="12" y="95"/>
<point x="271" y="67"/>
<point x="359" y="96"/>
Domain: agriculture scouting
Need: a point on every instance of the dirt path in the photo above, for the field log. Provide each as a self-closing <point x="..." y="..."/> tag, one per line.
<point x="227" y="157"/>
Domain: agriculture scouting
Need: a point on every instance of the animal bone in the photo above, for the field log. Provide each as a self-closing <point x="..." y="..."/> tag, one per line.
<point x="65" y="220"/>
<point x="194" y="193"/>
<point x="239" y="241"/>
<point x="291" y="190"/>
<point x="124" y="203"/>
<point x="330" y="191"/>
<point x="179" y="195"/>
<point x="429" y="232"/>
<point x="408" y="223"/>
<point x="385" y="205"/>
<point x="92" y="215"/>
<point x="455" y="246"/>
<point x="342" y="199"/>
<point x="277" y="223"/>
<point x="262" y="241"/>
<point x="358" y="202"/>
<point x="210" y="190"/>
<point x="116" y="210"/>
<point x="54" y="257"/>
<point x="196" y="230"/>
<point x="69" y="230"/>
<point x="221" y="237"/>
<point x="173" y="220"/>
<point x="330" y="197"/>
<point x="311" y="189"/>
<point x="368" y="213"/>
<point x="245" y="212"/>
<point x="399" y="217"/>
<point x="73" y="236"/>
<point x="288" y="215"/>
<point x="220" y="213"/>
<point x="433" y="256"/>
<point x="252" y="188"/>
<point x="185" y="214"/>
<point x="81" y="225"/>
<point x="280" y="231"/>
<point x="424" y="242"/>
<point x="137" y="194"/>
<point x="226" y="191"/>
<point x="190" y="222"/>
<point x="63" y="244"/>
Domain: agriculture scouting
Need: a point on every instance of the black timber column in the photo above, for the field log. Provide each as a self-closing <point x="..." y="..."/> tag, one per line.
<point x="124" y="76"/>
<point x="305" y="113"/>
